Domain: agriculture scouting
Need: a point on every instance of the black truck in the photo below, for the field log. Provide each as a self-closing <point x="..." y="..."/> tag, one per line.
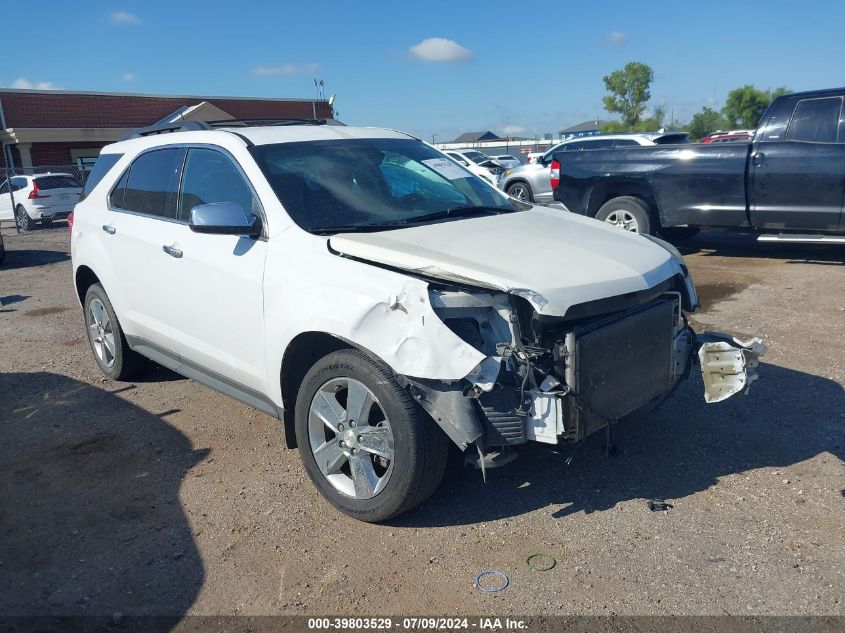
<point x="787" y="184"/>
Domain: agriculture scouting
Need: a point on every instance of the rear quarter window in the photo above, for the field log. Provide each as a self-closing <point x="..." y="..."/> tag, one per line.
<point x="104" y="163"/>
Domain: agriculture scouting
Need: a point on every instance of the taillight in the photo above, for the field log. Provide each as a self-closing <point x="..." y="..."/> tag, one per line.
<point x="33" y="195"/>
<point x="70" y="223"/>
<point x="555" y="174"/>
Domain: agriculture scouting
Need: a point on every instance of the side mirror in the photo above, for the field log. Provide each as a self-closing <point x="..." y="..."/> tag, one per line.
<point x="224" y="218"/>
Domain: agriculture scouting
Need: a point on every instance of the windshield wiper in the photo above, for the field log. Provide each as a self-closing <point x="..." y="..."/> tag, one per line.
<point x="348" y="228"/>
<point x="456" y="212"/>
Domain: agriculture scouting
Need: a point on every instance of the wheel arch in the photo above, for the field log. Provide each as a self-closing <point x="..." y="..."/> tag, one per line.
<point x="83" y="279"/>
<point x="606" y="191"/>
<point x="302" y="352"/>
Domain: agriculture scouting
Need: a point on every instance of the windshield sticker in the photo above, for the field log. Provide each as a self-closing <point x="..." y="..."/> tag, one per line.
<point x="446" y="168"/>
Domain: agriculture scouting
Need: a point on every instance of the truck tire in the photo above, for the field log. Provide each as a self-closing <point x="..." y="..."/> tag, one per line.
<point x="521" y="191"/>
<point x="679" y="233"/>
<point x="375" y="467"/>
<point x="105" y="336"/>
<point x="627" y="213"/>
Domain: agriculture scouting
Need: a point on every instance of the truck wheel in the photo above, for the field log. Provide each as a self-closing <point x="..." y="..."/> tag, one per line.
<point x="521" y="191"/>
<point x="627" y="213"/>
<point x="368" y="448"/>
<point x="111" y="351"/>
<point x="679" y="233"/>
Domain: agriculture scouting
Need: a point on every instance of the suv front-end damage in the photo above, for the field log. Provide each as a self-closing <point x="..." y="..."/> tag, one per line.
<point x="559" y="379"/>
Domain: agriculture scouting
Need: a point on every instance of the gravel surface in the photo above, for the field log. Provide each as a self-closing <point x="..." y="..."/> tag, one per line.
<point x="161" y="496"/>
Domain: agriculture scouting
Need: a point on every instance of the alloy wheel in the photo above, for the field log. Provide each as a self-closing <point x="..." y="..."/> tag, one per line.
<point x="101" y="332"/>
<point x="350" y="438"/>
<point x="520" y="192"/>
<point x="624" y="220"/>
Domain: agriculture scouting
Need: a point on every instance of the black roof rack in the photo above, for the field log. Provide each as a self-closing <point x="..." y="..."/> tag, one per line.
<point x="193" y="126"/>
<point x="255" y="122"/>
<point x="166" y="128"/>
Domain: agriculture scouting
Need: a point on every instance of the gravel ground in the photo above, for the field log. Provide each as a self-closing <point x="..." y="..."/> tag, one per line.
<point x="161" y="496"/>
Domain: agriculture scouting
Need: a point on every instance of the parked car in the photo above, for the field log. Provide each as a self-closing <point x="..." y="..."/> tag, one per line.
<point x="787" y="184"/>
<point x="532" y="182"/>
<point x="479" y="164"/>
<point x="507" y="161"/>
<point x="39" y="198"/>
<point x="728" y="136"/>
<point x="378" y="299"/>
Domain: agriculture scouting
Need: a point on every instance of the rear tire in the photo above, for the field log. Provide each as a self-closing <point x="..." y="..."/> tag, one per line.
<point x="24" y="222"/>
<point x="521" y="191"/>
<point x="628" y="213"/>
<point x="679" y="233"/>
<point x="326" y="429"/>
<point x="105" y="336"/>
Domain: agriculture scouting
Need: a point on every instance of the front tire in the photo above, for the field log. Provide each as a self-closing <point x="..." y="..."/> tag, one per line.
<point x="111" y="351"/>
<point x="627" y="213"/>
<point x="521" y="191"/>
<point x="24" y="222"/>
<point x="368" y="448"/>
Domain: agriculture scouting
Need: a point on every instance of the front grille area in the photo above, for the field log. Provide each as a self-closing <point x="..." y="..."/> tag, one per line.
<point x="623" y="363"/>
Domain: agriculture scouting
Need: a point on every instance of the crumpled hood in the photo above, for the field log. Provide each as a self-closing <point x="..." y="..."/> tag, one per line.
<point x="552" y="258"/>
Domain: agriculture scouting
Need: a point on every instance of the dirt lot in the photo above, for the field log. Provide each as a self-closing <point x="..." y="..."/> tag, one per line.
<point x="163" y="497"/>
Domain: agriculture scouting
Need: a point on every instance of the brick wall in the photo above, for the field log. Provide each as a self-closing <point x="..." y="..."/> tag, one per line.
<point x="59" y="153"/>
<point x="45" y="109"/>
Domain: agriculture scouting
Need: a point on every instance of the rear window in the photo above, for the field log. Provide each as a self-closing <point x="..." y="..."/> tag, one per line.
<point x="104" y="163"/>
<point x="59" y="181"/>
<point x="815" y="120"/>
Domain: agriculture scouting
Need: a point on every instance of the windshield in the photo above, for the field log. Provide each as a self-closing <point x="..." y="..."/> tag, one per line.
<point x="372" y="184"/>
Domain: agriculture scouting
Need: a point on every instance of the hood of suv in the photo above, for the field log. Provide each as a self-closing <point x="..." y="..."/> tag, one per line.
<point x="551" y="258"/>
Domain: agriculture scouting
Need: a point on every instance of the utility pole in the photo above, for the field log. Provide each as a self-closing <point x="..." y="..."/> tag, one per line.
<point x="434" y="138"/>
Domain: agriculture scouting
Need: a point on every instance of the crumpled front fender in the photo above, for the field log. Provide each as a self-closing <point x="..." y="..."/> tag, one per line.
<point x="728" y="365"/>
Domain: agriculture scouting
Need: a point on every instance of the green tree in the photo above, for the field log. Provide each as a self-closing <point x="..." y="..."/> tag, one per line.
<point x="706" y="122"/>
<point x="744" y="106"/>
<point x="629" y="90"/>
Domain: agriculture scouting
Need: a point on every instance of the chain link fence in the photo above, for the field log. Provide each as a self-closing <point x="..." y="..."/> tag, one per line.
<point x="39" y="198"/>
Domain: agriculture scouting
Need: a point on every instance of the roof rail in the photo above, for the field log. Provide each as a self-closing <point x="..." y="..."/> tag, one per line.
<point x="270" y="121"/>
<point x="166" y="128"/>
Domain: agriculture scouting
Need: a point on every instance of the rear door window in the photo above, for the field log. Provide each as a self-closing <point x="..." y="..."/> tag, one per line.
<point x="624" y="142"/>
<point x="152" y="183"/>
<point x="211" y="177"/>
<point x="815" y="120"/>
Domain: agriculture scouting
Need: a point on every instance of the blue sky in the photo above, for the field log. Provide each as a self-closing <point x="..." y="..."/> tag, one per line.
<point x="514" y="67"/>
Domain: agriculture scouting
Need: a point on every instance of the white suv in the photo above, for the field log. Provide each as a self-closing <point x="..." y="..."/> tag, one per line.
<point x="378" y="299"/>
<point x="38" y="198"/>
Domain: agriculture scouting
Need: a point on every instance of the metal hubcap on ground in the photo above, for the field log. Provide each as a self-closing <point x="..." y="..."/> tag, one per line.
<point x="519" y="192"/>
<point x="102" y="333"/>
<point x="350" y="438"/>
<point x="624" y="220"/>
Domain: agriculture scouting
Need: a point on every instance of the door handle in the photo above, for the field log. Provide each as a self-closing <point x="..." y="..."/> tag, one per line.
<point x="758" y="158"/>
<point x="108" y="228"/>
<point x="173" y="252"/>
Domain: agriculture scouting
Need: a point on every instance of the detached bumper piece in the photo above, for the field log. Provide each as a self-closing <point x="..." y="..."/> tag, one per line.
<point x="728" y="365"/>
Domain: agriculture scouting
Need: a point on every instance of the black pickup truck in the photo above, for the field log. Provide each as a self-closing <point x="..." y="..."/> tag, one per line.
<point x="787" y="184"/>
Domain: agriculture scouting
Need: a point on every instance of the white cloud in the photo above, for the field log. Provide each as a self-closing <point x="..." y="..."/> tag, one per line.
<point x="511" y="130"/>
<point x="438" y="49"/>
<point x="616" y="38"/>
<point x="285" y="70"/>
<point x="26" y="84"/>
<point x="128" y="76"/>
<point x="124" y="17"/>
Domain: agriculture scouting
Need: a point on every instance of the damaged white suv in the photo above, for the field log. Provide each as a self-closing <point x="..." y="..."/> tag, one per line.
<point x="379" y="299"/>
